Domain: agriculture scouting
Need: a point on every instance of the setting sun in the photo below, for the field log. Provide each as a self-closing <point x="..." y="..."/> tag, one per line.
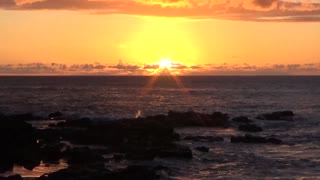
<point x="165" y="63"/>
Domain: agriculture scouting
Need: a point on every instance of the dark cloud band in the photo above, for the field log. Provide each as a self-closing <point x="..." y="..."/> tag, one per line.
<point x="251" y="10"/>
<point x="148" y="69"/>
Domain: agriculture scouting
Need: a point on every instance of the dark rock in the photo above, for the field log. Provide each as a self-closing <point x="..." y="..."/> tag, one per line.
<point x="135" y="172"/>
<point x="168" y="151"/>
<point x="6" y="164"/>
<point x="131" y="172"/>
<point x="119" y="157"/>
<point x="185" y="119"/>
<point x="3" y="117"/>
<point x="82" y="156"/>
<point x="279" y="115"/>
<point x="190" y="118"/>
<point x="242" y="119"/>
<point x="202" y="149"/>
<point x="22" y="117"/>
<point x="150" y="131"/>
<point x="218" y="119"/>
<point x="248" y="139"/>
<point x="85" y="119"/>
<point x="141" y="154"/>
<point x="52" y="125"/>
<point x="274" y="141"/>
<point x="82" y="123"/>
<point x="55" y="115"/>
<point x="204" y="138"/>
<point x="254" y="139"/>
<point x="13" y="177"/>
<point x="30" y="162"/>
<point x="52" y="153"/>
<point x="74" y="173"/>
<point x="19" y="145"/>
<point x="177" y="151"/>
<point x="249" y="128"/>
<point x="49" y="135"/>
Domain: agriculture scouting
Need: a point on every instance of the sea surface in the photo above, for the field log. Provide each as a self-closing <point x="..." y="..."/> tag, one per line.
<point x="114" y="97"/>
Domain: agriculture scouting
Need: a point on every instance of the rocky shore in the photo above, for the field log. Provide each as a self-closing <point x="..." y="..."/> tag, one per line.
<point x="137" y="139"/>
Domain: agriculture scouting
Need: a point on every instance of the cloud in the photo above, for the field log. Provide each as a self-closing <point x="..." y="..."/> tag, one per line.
<point x="264" y="3"/>
<point x="32" y="68"/>
<point x="164" y="3"/>
<point x="145" y="69"/>
<point x="293" y="66"/>
<point x="19" y="2"/>
<point x="125" y="67"/>
<point x="247" y="69"/>
<point x="195" y="67"/>
<point x="151" y="66"/>
<point x="249" y="10"/>
<point x="178" y="66"/>
<point x="67" y="4"/>
<point x="87" y="67"/>
<point x="7" y="3"/>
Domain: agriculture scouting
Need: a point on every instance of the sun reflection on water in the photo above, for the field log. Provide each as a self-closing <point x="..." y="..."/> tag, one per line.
<point x="38" y="171"/>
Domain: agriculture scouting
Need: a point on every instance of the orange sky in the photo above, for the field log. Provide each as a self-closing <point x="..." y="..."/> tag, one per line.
<point x="197" y="36"/>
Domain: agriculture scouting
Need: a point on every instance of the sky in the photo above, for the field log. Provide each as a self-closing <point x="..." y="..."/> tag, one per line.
<point x="147" y="37"/>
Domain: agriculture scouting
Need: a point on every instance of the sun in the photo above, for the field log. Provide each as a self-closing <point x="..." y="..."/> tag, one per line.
<point x="165" y="64"/>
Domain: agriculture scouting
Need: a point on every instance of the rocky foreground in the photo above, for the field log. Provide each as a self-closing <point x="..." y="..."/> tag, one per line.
<point x="136" y="139"/>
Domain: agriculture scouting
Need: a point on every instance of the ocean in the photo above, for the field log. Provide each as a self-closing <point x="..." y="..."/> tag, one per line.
<point x="115" y="97"/>
<point x="123" y="96"/>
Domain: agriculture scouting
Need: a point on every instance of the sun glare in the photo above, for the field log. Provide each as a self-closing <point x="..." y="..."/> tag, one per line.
<point x="165" y="63"/>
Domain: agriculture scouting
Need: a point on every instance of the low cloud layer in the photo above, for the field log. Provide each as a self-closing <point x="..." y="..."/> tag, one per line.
<point x="251" y="10"/>
<point x="150" y="69"/>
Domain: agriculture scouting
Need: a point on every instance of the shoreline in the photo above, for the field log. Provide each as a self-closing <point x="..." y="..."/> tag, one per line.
<point x="129" y="140"/>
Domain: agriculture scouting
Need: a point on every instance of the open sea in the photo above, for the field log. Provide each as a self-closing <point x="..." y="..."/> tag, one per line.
<point x="114" y="97"/>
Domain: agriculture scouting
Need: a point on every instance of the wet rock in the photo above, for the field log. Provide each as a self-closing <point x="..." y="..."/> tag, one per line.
<point x="204" y="138"/>
<point x="55" y="115"/>
<point x="13" y="177"/>
<point x="242" y="119"/>
<point x="249" y="128"/>
<point x="202" y="149"/>
<point x="279" y="115"/>
<point x="254" y="139"/>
